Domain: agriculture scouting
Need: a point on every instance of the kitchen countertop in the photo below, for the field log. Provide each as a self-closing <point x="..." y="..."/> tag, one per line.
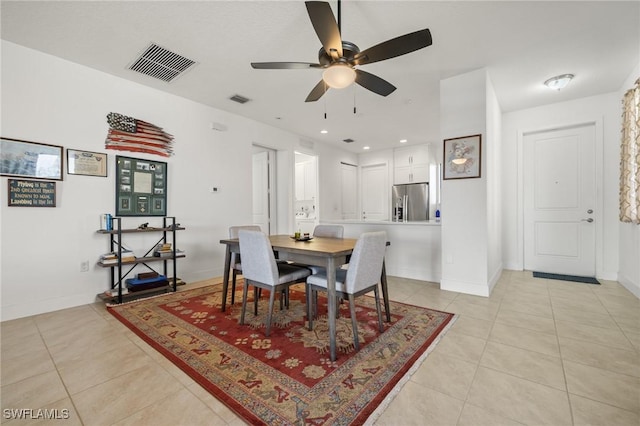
<point x="415" y="250"/>
<point x="382" y="222"/>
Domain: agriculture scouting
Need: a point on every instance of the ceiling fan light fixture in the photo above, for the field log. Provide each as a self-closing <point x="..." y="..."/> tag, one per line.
<point x="559" y="82"/>
<point x="339" y="76"/>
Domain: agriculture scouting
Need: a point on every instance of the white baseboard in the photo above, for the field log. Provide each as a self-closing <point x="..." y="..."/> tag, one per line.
<point x="475" y="289"/>
<point x="43" y="306"/>
<point x="495" y="277"/>
<point x="414" y="274"/>
<point x="609" y="276"/>
<point x="629" y="285"/>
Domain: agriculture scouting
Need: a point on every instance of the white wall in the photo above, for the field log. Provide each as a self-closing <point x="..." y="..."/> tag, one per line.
<point x="604" y="111"/>
<point x="465" y="206"/>
<point x="493" y="171"/>
<point x="629" y="272"/>
<point x="50" y="100"/>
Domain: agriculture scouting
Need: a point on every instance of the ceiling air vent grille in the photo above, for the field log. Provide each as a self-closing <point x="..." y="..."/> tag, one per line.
<point x="348" y="140"/>
<point x="160" y="63"/>
<point x="239" y="99"/>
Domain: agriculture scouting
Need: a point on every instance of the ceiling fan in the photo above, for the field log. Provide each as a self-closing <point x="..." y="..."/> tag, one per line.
<point x="340" y="58"/>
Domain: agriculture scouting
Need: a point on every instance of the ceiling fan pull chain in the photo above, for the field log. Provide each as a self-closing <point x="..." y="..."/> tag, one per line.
<point x="354" y="99"/>
<point x="325" y="102"/>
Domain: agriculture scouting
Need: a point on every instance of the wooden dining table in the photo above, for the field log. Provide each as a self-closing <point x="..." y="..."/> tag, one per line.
<point x="329" y="253"/>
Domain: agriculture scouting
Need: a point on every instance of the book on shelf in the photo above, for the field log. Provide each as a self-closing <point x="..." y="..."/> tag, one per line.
<point x="178" y="280"/>
<point x="106" y="222"/>
<point x="146" y="275"/>
<point x="165" y="250"/>
<point x="112" y="257"/>
<point x="146" y="283"/>
<point x="114" y="292"/>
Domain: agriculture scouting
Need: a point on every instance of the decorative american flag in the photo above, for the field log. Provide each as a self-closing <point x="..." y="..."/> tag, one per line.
<point x="129" y="134"/>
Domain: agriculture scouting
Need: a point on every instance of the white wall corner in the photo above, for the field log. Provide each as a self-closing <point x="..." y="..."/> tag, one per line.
<point x="493" y="280"/>
<point x="476" y="289"/>
<point x="630" y="285"/>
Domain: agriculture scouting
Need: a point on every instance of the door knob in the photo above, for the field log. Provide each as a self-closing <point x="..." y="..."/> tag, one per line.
<point x="587" y="220"/>
<point x="590" y="211"/>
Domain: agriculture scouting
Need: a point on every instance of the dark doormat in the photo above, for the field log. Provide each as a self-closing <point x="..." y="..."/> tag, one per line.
<point x="574" y="278"/>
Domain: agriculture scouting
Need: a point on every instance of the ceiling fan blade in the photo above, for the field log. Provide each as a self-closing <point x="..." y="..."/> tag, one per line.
<point x="395" y="47"/>
<point x="374" y="83"/>
<point x="326" y="27"/>
<point x="317" y="92"/>
<point x="283" y="65"/>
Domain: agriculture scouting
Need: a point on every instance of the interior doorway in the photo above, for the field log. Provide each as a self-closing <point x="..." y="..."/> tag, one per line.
<point x="264" y="188"/>
<point x="374" y="184"/>
<point x="305" y="206"/>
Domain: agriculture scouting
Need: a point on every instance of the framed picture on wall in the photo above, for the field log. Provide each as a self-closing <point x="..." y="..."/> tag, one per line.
<point x="141" y="187"/>
<point x="462" y="157"/>
<point x="86" y="163"/>
<point x="31" y="160"/>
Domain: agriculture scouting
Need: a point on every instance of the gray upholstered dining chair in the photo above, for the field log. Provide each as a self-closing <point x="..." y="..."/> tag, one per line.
<point x="236" y="264"/>
<point x="260" y="269"/>
<point x="362" y="276"/>
<point x="328" y="231"/>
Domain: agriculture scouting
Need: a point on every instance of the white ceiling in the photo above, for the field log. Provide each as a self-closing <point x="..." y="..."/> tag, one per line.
<point x="521" y="43"/>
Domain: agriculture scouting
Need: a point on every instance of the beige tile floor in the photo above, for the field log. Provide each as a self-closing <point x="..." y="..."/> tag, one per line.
<point x="537" y="352"/>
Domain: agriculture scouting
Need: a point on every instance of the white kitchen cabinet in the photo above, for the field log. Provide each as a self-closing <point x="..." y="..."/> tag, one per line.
<point x="411" y="164"/>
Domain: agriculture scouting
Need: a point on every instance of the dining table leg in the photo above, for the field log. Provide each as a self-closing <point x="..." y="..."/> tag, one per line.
<point x="331" y="302"/>
<point x="225" y="279"/>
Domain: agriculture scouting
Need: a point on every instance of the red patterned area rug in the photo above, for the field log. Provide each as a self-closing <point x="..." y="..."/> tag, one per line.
<point x="287" y="378"/>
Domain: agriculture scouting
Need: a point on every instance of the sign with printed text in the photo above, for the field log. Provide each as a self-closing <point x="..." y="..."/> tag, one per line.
<point x="29" y="193"/>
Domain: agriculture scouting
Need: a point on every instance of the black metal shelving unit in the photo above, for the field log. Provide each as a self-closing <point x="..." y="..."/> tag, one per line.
<point x="118" y="275"/>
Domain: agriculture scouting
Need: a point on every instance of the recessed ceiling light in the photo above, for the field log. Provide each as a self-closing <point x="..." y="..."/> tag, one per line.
<point x="403" y="141"/>
<point x="365" y="147"/>
<point x="559" y="82"/>
<point x="324" y="132"/>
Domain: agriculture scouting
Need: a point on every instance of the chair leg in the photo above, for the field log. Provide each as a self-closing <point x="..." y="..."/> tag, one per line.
<point x="256" y="296"/>
<point x="377" y="297"/>
<point x="233" y="286"/>
<point x="244" y="300"/>
<point x="272" y="296"/>
<point x="315" y="303"/>
<point x="354" y="321"/>
<point x="309" y="306"/>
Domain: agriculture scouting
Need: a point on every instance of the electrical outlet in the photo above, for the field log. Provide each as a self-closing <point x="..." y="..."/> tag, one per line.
<point x="84" y="266"/>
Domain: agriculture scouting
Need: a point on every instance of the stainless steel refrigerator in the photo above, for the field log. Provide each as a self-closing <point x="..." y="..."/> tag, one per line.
<point x="410" y="202"/>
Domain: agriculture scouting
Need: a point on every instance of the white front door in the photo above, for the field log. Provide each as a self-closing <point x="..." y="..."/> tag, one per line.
<point x="375" y="192"/>
<point x="560" y="201"/>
